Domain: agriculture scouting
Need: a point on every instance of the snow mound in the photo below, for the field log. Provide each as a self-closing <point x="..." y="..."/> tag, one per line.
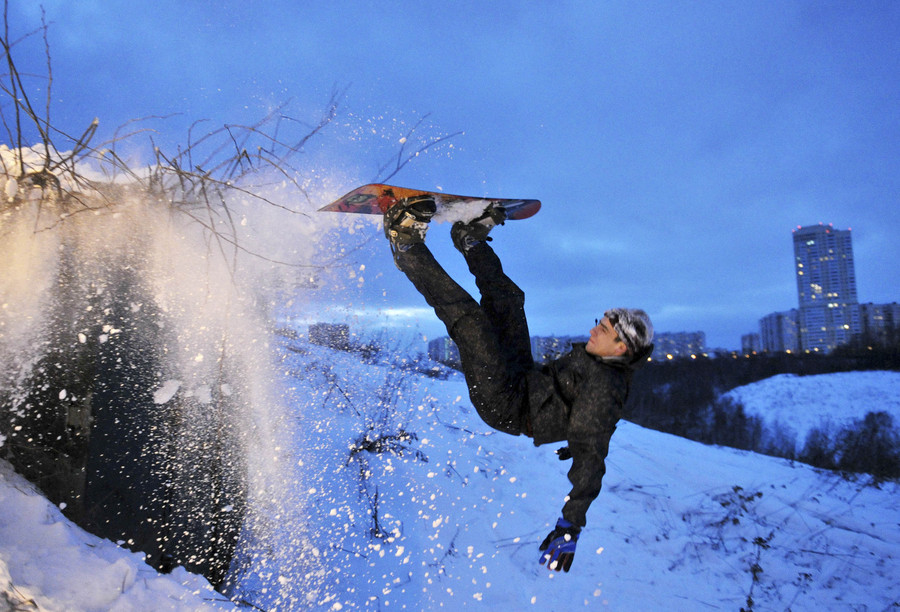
<point x="804" y="402"/>
<point x="49" y="564"/>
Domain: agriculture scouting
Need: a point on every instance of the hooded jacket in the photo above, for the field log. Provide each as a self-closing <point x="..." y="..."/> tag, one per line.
<point x="578" y="399"/>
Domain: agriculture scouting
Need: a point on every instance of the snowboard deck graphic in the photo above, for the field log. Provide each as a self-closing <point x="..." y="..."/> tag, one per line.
<point x="376" y="198"/>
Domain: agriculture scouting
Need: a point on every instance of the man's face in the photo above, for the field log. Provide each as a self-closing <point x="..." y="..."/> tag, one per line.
<point x="604" y="342"/>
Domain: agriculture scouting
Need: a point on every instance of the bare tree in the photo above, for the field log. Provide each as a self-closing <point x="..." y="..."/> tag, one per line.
<point x="80" y="418"/>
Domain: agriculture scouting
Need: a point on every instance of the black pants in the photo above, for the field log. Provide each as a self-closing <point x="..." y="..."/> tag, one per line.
<point x="492" y="337"/>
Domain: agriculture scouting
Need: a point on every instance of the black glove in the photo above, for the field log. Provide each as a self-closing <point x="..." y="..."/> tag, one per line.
<point x="560" y="546"/>
<point x="564" y="453"/>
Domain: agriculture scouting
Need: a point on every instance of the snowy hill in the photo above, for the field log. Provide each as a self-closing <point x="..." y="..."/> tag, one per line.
<point x="430" y="510"/>
<point x="803" y="402"/>
<point x="49" y="564"/>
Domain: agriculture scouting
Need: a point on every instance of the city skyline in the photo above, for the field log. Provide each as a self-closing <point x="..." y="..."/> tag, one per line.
<point x="670" y="143"/>
<point x="828" y="313"/>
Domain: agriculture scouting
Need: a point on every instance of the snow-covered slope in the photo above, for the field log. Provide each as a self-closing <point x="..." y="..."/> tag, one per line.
<point x="441" y="513"/>
<point x="49" y="564"/>
<point x="803" y="402"/>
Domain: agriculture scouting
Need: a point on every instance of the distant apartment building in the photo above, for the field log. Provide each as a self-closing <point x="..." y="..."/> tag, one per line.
<point x="548" y="348"/>
<point x="826" y="287"/>
<point x="780" y="332"/>
<point x="877" y="320"/>
<point x="444" y="350"/>
<point x="751" y="344"/>
<point x="668" y="345"/>
<point x="332" y="335"/>
<point x="543" y="348"/>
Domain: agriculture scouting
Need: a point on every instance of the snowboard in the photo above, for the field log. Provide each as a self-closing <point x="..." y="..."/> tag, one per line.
<point x="375" y="199"/>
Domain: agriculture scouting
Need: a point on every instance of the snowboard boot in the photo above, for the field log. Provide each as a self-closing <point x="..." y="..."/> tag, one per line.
<point x="467" y="235"/>
<point x="406" y="222"/>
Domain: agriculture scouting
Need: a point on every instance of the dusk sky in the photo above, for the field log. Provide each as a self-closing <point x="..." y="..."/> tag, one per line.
<point x="674" y="145"/>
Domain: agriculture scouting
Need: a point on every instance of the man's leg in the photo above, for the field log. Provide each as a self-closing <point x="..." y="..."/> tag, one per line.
<point x="504" y="304"/>
<point x="496" y="386"/>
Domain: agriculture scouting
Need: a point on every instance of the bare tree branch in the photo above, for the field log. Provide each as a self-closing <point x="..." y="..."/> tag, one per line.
<point x="402" y="158"/>
<point x="198" y="179"/>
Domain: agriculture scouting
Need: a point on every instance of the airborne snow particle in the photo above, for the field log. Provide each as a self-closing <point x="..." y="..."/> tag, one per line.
<point x="166" y="392"/>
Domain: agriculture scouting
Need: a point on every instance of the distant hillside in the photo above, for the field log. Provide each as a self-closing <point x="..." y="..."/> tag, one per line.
<point x="801" y="403"/>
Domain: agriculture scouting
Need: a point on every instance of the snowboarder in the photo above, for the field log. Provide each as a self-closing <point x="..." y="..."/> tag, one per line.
<point x="577" y="398"/>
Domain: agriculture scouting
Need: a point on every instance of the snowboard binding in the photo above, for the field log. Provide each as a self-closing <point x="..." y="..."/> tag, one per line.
<point x="406" y="222"/>
<point x="466" y="235"/>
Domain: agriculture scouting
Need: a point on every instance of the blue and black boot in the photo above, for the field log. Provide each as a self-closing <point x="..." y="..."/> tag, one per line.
<point x="466" y="235"/>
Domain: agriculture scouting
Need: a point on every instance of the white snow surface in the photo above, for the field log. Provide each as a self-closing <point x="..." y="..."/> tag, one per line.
<point x="825" y="401"/>
<point x="47" y="563"/>
<point x="461" y="510"/>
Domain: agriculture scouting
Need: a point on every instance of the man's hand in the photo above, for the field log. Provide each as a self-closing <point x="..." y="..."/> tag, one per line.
<point x="560" y="546"/>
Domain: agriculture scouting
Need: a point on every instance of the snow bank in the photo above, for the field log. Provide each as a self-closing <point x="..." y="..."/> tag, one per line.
<point x="47" y="562"/>
<point x="804" y="402"/>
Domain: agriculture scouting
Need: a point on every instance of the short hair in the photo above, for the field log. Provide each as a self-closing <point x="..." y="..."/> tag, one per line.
<point x="633" y="326"/>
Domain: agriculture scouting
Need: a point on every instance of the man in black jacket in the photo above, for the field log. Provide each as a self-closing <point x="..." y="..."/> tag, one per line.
<point x="577" y="398"/>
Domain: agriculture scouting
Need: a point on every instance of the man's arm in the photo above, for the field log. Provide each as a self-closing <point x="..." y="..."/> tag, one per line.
<point x="589" y="451"/>
<point x="592" y="422"/>
<point x="588" y="446"/>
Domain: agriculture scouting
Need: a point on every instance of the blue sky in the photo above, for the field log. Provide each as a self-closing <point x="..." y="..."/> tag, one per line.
<point x="674" y="144"/>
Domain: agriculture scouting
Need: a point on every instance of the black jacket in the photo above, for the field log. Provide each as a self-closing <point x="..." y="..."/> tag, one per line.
<point x="578" y="399"/>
